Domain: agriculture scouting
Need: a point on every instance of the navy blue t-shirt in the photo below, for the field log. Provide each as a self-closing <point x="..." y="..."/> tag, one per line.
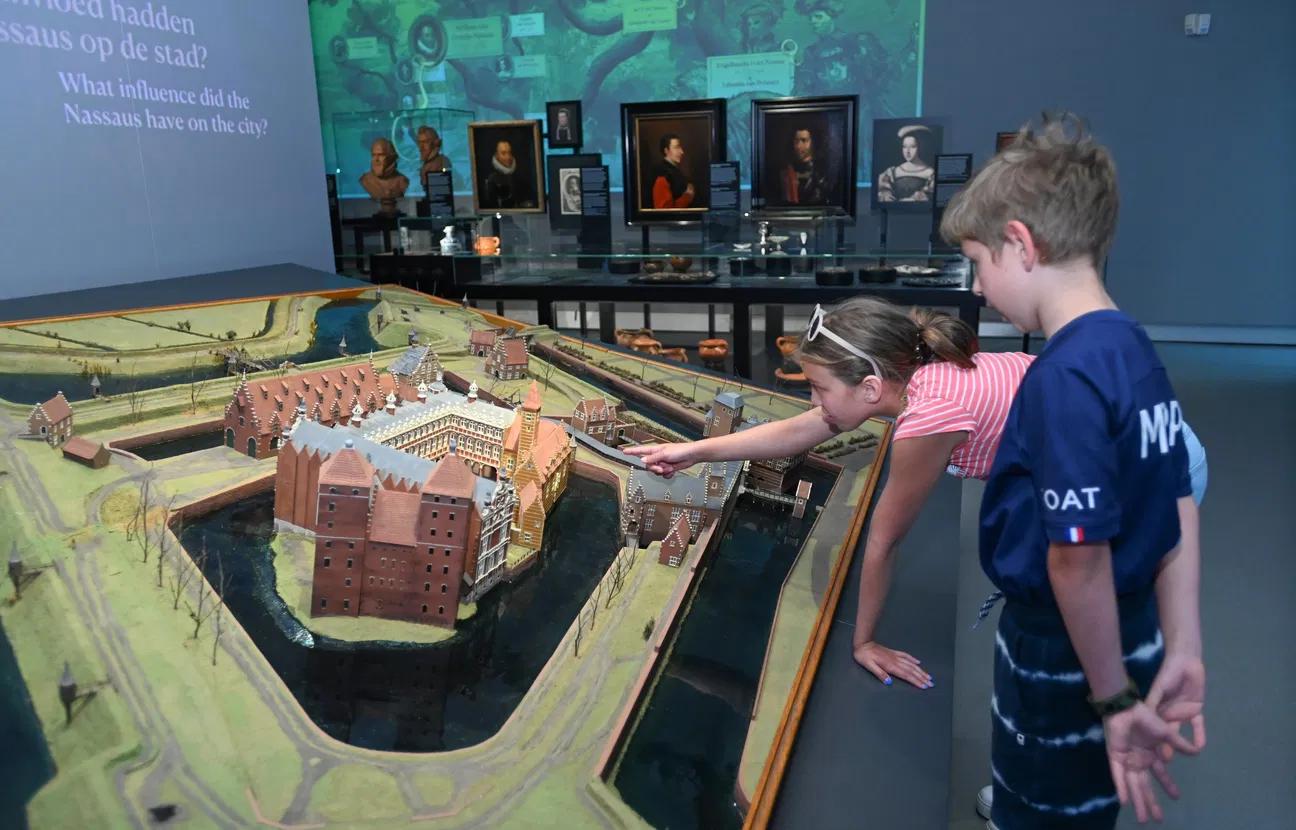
<point x="1092" y="451"/>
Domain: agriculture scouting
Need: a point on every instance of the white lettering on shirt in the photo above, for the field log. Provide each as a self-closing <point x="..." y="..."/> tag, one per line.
<point x="1161" y="427"/>
<point x="1070" y="500"/>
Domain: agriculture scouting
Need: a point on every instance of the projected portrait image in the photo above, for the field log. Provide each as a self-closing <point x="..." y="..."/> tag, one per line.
<point x="804" y="154"/>
<point x="506" y="166"/>
<point x="563" y="124"/>
<point x="669" y="148"/>
<point x="904" y="150"/>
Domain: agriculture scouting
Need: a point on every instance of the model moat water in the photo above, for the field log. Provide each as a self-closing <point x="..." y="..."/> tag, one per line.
<point x="681" y="764"/>
<point x="179" y="446"/>
<point x="349" y="318"/>
<point x="418" y="698"/>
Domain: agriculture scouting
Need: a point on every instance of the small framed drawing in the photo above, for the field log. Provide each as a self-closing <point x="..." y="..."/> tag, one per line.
<point x="505" y="158"/>
<point x="803" y="154"/>
<point x="903" y="152"/>
<point x="563" y="120"/>
<point x="668" y="148"/>
<point x="565" y="187"/>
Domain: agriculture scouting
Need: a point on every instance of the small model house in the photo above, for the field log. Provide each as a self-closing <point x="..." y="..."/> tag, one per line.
<point x="597" y="418"/>
<point x="86" y="452"/>
<point x="51" y="420"/>
<point x="481" y="342"/>
<point x="508" y="358"/>
<point x="419" y="364"/>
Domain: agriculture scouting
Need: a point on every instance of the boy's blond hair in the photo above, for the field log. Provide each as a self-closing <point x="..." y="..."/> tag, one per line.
<point x="1056" y="180"/>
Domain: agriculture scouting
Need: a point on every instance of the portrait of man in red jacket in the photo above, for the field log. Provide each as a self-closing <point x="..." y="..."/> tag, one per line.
<point x="671" y="187"/>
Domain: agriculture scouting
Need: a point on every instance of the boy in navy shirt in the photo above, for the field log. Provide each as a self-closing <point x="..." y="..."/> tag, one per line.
<point x="1088" y="527"/>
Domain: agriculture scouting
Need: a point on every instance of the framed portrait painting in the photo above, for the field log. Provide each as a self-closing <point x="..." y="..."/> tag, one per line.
<point x="668" y="148"/>
<point x="803" y="155"/>
<point x="904" y="152"/>
<point x="565" y="187"/>
<point x="563" y="124"/>
<point x="507" y="168"/>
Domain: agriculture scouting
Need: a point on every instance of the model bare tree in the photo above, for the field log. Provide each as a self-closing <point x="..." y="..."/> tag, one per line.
<point x="196" y="384"/>
<point x="218" y="618"/>
<point x="548" y="373"/>
<point x="182" y="573"/>
<point x="134" y="397"/>
<point x="140" y="527"/>
<point x="163" y="551"/>
<point x="199" y="612"/>
<point x="163" y="537"/>
<point x="620" y="567"/>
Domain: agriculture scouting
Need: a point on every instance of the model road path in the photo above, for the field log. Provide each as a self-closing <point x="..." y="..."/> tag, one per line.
<point x="80" y="576"/>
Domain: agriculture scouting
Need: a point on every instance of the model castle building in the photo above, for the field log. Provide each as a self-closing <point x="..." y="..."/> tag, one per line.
<point x="726" y="418"/>
<point x="654" y="505"/>
<point x="414" y="506"/>
<point x="396" y="536"/>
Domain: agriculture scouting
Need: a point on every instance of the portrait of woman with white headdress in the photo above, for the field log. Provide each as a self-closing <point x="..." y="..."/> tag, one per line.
<point x="903" y="153"/>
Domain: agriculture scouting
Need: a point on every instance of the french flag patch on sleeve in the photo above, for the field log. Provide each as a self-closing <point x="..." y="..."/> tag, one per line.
<point x="1075" y="535"/>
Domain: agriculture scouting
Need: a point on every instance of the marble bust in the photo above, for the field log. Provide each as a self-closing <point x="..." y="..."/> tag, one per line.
<point x="383" y="182"/>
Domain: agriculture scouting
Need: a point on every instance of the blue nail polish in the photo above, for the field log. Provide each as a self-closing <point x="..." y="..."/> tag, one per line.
<point x="887" y="681"/>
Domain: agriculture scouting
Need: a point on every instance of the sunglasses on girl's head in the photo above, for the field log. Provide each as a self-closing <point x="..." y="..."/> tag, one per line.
<point x="817" y="328"/>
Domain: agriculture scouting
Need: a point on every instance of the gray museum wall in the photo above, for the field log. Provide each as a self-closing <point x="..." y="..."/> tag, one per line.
<point x="1202" y="131"/>
<point x="91" y="205"/>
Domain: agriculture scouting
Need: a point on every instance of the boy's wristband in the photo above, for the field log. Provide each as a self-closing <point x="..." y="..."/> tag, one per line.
<point x="1126" y="698"/>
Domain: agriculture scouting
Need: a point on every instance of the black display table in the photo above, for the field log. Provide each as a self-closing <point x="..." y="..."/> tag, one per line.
<point x="363" y="225"/>
<point x="739" y="292"/>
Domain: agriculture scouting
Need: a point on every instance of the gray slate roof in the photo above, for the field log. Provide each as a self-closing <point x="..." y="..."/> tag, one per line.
<point x="730" y="399"/>
<point x="409" y="361"/>
<point x="682" y="485"/>
<point x="402" y="466"/>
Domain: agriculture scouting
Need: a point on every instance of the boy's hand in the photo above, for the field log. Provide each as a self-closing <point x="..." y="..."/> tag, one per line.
<point x="664" y="459"/>
<point x="1178" y="694"/>
<point x="1134" y="741"/>
<point x="885" y="662"/>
